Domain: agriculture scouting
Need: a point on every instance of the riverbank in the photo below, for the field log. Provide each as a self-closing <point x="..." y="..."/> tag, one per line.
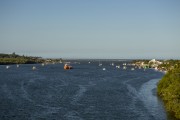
<point x="169" y="90"/>
<point x="169" y="86"/>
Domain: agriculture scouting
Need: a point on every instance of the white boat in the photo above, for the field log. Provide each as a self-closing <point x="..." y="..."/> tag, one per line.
<point x="100" y="64"/>
<point x="104" y="68"/>
<point x="42" y="64"/>
<point x="117" y="66"/>
<point x="33" y="68"/>
<point x="132" y="68"/>
<point x="156" y="68"/>
<point x="17" y="66"/>
<point x="7" y="67"/>
<point x="124" y="67"/>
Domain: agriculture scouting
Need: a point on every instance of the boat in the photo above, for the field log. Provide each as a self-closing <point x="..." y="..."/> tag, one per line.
<point x="132" y="68"/>
<point x="156" y="68"/>
<point x="112" y="64"/>
<point x="67" y="67"/>
<point x="33" y="68"/>
<point x="124" y="67"/>
<point x="104" y="68"/>
<point x="124" y="64"/>
<point x="7" y="67"/>
<point x="117" y="66"/>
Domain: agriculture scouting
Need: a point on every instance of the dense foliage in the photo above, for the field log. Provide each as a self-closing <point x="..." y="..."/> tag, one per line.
<point x="17" y="59"/>
<point x="169" y="89"/>
<point x="168" y="64"/>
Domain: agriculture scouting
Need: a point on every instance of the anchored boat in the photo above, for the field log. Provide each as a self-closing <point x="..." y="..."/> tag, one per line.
<point x="67" y="67"/>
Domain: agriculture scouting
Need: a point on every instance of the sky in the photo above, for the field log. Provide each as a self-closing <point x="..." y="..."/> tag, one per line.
<point x="90" y="29"/>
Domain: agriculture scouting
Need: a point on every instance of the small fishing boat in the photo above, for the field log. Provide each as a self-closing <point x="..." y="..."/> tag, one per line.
<point x="67" y="67"/>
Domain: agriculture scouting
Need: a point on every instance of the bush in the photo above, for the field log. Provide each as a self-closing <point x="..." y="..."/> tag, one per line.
<point x="169" y="90"/>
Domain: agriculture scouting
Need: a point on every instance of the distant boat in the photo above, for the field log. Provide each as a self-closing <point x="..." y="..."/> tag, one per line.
<point x="7" y="67"/>
<point x="117" y="66"/>
<point x="89" y="62"/>
<point x="112" y="64"/>
<point x="132" y="68"/>
<point x="67" y="67"/>
<point x="104" y="68"/>
<point x="124" y="64"/>
<point x="17" y="66"/>
<point x="33" y="68"/>
<point x="42" y="64"/>
<point x="156" y="68"/>
<point x="124" y="67"/>
<point x="100" y="64"/>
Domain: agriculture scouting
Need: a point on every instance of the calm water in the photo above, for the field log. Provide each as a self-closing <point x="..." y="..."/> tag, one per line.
<point x="85" y="93"/>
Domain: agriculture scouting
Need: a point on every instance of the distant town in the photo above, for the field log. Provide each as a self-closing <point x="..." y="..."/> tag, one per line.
<point x="160" y="65"/>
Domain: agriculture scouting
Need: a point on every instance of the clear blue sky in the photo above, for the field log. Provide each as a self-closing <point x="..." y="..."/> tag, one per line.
<point x="91" y="28"/>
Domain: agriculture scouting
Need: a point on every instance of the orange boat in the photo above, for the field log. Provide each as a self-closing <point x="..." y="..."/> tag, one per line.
<point x="67" y="67"/>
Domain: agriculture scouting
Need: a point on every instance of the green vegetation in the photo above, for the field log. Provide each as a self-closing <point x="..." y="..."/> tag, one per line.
<point x="17" y="59"/>
<point x="168" y="64"/>
<point x="169" y="87"/>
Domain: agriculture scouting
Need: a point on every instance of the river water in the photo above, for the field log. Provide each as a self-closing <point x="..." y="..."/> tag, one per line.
<point x="86" y="92"/>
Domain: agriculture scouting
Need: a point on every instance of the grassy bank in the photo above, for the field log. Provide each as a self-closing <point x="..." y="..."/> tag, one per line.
<point x="169" y="90"/>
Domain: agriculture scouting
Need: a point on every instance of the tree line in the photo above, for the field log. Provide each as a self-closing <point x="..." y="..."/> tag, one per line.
<point x="18" y="59"/>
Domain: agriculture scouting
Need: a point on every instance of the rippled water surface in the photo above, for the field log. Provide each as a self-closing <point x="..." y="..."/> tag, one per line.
<point x="86" y="92"/>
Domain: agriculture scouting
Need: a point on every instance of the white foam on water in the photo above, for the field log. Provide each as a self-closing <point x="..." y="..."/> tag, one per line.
<point x="73" y="115"/>
<point x="79" y="94"/>
<point x="47" y="111"/>
<point x="24" y="93"/>
<point x="150" y="101"/>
